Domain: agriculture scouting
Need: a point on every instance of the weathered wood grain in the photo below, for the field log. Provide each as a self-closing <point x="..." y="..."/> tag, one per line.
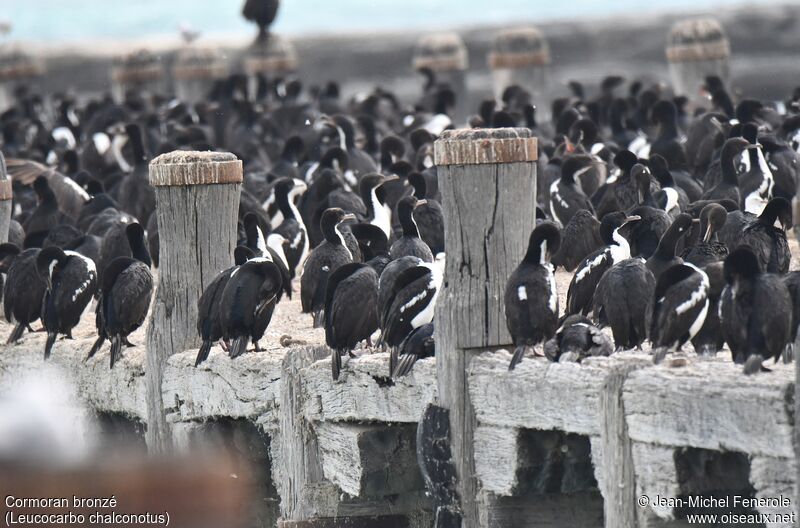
<point x="711" y="404"/>
<point x="197" y="236"/>
<point x="369" y="460"/>
<point x="365" y="392"/>
<point x="489" y="212"/>
<point x="497" y="459"/>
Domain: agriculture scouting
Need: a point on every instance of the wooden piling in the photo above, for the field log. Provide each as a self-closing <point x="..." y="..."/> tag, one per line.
<point x="194" y="72"/>
<point x="6" y="202"/>
<point x="697" y="48"/>
<point x="488" y="182"/>
<point x="141" y="71"/>
<point x="446" y="56"/>
<point x="521" y="56"/>
<point x="197" y="203"/>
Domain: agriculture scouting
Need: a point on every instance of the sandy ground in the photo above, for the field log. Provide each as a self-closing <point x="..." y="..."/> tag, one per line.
<point x="289" y="327"/>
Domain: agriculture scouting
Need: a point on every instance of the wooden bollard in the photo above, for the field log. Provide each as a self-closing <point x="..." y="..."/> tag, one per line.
<point x="273" y="57"/>
<point x="16" y="68"/>
<point x="446" y="56"/>
<point x="697" y="48"/>
<point x="6" y="203"/>
<point x="487" y="179"/>
<point x="195" y="71"/>
<point x="197" y="203"/>
<point x="140" y="71"/>
<point x="521" y="56"/>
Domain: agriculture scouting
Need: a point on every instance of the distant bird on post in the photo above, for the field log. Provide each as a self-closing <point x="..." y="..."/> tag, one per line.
<point x="262" y="13"/>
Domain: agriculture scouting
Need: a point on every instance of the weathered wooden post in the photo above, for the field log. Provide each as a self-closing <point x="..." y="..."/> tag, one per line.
<point x="446" y="56"/>
<point x="194" y="72"/>
<point x="521" y="56"/>
<point x="697" y="48"/>
<point x="274" y="57"/>
<point x="197" y="203"/>
<point x="488" y="183"/>
<point x="6" y="195"/>
<point x="141" y="71"/>
<point x="16" y="68"/>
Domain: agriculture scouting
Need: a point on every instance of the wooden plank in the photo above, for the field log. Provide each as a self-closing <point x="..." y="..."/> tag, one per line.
<point x="680" y="407"/>
<point x="198" y="234"/>
<point x="365" y="392"/>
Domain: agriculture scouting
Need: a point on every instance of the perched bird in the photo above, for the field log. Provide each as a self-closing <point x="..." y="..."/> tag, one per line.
<point x="247" y="303"/>
<point x="584" y="283"/>
<point x="322" y="262"/>
<point x="263" y="13"/>
<point x="709" y="340"/>
<point x="125" y="291"/>
<point x="757" y="182"/>
<point x="566" y="195"/>
<point x="379" y="213"/>
<point x="576" y="339"/>
<point x="755" y="309"/>
<point x="664" y="256"/>
<point x="419" y="344"/>
<point x="208" y="322"/>
<point x="410" y="244"/>
<point x="709" y="249"/>
<point x="71" y="281"/>
<point x="624" y="301"/>
<point x="23" y="292"/>
<point x="429" y="216"/>
<point x="353" y="284"/>
<point x="292" y="227"/>
<point x="579" y="238"/>
<point x="767" y="241"/>
<point x="46" y="215"/>
<point x="728" y="187"/>
<point x="411" y="304"/>
<point x="681" y="306"/>
<point x="531" y="299"/>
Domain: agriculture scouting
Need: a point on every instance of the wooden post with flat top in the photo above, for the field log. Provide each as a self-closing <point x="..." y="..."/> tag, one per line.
<point x="197" y="203"/>
<point x="487" y="178"/>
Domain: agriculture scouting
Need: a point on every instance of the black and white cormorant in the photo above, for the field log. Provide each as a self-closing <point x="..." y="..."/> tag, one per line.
<point x="728" y="186"/>
<point x="71" y="281"/>
<point x="576" y="339"/>
<point x="767" y="241"/>
<point x="709" y="340"/>
<point x="757" y="182"/>
<point x="588" y="274"/>
<point x="624" y="301"/>
<point x="23" y="292"/>
<point x="379" y="213"/>
<point x="681" y="306"/>
<point x="708" y="249"/>
<point x="664" y="256"/>
<point x="322" y="262"/>
<point x="248" y="302"/>
<point x="579" y="238"/>
<point x="46" y="215"/>
<point x="352" y="285"/>
<point x="273" y="247"/>
<point x="419" y="344"/>
<point x="531" y="298"/>
<point x="566" y="194"/>
<point x="126" y="287"/>
<point x="292" y="227"/>
<point x="755" y="310"/>
<point x="208" y="321"/>
<point x="410" y="244"/>
<point x="411" y="304"/>
<point x="429" y="216"/>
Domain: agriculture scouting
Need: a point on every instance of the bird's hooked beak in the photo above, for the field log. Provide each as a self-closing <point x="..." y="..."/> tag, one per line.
<point x="348" y="216"/>
<point x="390" y="178"/>
<point x="631" y="219"/>
<point x="420" y="202"/>
<point x="707" y="235"/>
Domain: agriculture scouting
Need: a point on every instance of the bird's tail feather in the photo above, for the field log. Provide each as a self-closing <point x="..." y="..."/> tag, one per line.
<point x="16" y="334"/>
<point x="519" y="352"/>
<point x="393" y="354"/>
<point x="239" y="346"/>
<point x="202" y="354"/>
<point x="336" y="363"/>
<point x="96" y="346"/>
<point x="116" y="350"/>
<point x="319" y="318"/>
<point x="48" y="345"/>
<point x="404" y="365"/>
